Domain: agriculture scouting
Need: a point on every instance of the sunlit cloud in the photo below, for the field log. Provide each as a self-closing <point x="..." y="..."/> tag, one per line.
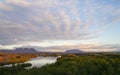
<point x="5" y="7"/>
<point x="83" y="47"/>
<point x="37" y="20"/>
<point x="62" y="46"/>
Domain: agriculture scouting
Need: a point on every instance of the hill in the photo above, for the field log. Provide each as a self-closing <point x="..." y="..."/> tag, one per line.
<point x="20" y="50"/>
<point x="74" y="51"/>
<point x="25" y="50"/>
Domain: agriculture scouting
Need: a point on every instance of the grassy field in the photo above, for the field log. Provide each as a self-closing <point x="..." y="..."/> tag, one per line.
<point x="15" y="58"/>
<point x="83" y="64"/>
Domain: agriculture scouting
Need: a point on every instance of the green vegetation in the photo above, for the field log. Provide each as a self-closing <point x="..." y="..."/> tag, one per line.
<point x="85" y="64"/>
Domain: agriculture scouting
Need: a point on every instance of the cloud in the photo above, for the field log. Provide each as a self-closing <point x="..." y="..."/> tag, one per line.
<point x="43" y="43"/>
<point x="57" y="46"/>
<point x="22" y="3"/>
<point x="36" y="20"/>
<point x="5" y="7"/>
<point x="83" y="47"/>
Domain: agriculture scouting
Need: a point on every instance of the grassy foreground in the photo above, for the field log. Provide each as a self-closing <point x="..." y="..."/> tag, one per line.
<point x="87" y="64"/>
<point x="15" y="58"/>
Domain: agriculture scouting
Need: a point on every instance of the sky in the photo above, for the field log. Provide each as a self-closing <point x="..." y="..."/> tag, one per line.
<point x="59" y="25"/>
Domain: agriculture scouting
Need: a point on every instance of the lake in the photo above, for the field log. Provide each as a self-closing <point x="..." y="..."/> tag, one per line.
<point x="38" y="62"/>
<point x="41" y="61"/>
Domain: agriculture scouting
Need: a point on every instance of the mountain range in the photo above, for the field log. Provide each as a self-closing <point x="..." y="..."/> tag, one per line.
<point x="32" y="50"/>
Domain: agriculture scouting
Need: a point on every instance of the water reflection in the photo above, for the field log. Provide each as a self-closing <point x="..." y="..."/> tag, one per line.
<point x="41" y="61"/>
<point x="37" y="62"/>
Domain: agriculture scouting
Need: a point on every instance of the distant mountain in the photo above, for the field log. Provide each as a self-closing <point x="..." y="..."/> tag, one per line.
<point x="20" y="50"/>
<point x="25" y="50"/>
<point x="74" y="51"/>
<point x="6" y="51"/>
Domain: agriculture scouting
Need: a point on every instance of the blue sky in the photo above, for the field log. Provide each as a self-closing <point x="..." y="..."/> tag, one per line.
<point x="58" y="25"/>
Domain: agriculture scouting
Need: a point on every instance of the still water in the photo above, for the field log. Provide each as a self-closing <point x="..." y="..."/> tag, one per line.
<point x="41" y="61"/>
<point x="38" y="62"/>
